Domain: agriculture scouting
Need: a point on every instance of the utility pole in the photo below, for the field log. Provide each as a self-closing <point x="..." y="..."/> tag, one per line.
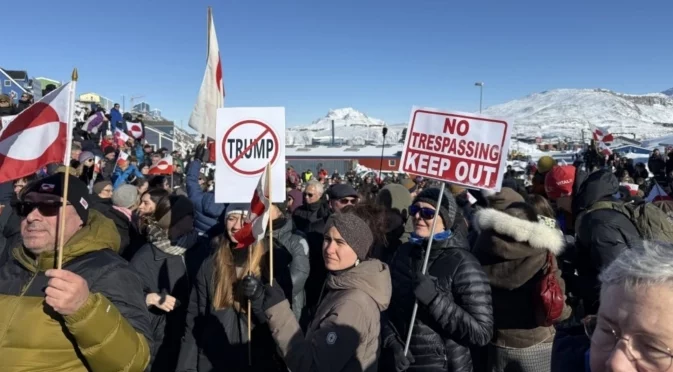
<point x="480" y="84"/>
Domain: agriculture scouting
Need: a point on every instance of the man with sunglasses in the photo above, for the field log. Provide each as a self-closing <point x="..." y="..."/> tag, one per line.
<point x="91" y="315"/>
<point x="342" y="195"/>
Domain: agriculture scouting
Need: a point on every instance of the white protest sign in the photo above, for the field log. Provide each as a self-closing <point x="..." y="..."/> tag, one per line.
<point x="247" y="139"/>
<point x="462" y="149"/>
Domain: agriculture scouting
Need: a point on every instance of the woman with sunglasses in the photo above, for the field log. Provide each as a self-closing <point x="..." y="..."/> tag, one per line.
<point x="454" y="296"/>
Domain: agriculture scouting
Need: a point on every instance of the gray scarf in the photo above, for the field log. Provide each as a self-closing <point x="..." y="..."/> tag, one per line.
<point x="159" y="238"/>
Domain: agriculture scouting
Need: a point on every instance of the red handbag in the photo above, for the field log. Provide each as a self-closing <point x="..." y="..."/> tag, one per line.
<point x="548" y="299"/>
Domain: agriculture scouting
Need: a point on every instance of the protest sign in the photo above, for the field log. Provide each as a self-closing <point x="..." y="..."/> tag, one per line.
<point x="463" y="149"/>
<point x="248" y="139"/>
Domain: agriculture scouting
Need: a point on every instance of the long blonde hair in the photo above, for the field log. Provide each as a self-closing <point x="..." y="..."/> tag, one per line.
<point x="224" y="271"/>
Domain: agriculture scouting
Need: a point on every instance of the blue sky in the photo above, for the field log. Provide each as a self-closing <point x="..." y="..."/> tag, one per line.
<point x="378" y="56"/>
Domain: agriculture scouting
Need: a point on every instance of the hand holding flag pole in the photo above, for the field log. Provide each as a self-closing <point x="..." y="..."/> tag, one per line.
<point x="66" y="177"/>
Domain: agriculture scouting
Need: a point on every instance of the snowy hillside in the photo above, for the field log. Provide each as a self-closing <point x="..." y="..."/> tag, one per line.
<point x="350" y="125"/>
<point x="565" y="112"/>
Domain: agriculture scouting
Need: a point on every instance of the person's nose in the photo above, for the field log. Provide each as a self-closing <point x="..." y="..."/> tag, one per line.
<point x="620" y="360"/>
<point x="34" y="215"/>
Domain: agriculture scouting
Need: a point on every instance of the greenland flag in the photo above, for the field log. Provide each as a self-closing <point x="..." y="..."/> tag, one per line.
<point x="164" y="166"/>
<point x="120" y="137"/>
<point x="211" y="94"/>
<point x="257" y="219"/>
<point x="38" y="135"/>
<point x="136" y="130"/>
<point x="122" y="156"/>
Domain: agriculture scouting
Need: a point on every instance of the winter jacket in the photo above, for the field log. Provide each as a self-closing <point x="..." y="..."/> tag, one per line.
<point x="513" y="252"/>
<point x="110" y="331"/>
<point x="139" y="151"/>
<point x="108" y="169"/>
<point x="217" y="340"/>
<point x="117" y="120"/>
<point x="459" y="317"/>
<point x="205" y="209"/>
<point x="163" y="273"/>
<point x="120" y="177"/>
<point x="100" y="204"/>
<point x="600" y="235"/>
<point x="344" y="334"/>
<point x="285" y="237"/>
<point x="656" y="164"/>
<point x="310" y="219"/>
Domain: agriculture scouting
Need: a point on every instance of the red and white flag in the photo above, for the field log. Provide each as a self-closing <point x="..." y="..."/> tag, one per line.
<point x="633" y="188"/>
<point x="38" y="135"/>
<point x="603" y="139"/>
<point x="657" y="193"/>
<point x="164" y="166"/>
<point x="211" y="94"/>
<point x="96" y="164"/>
<point x="122" y="156"/>
<point x="121" y="137"/>
<point x="136" y="130"/>
<point x="257" y="219"/>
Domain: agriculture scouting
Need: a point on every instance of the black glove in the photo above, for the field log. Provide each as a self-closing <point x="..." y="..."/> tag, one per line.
<point x="273" y="295"/>
<point x="425" y="289"/>
<point x="252" y="289"/>
<point x="402" y="362"/>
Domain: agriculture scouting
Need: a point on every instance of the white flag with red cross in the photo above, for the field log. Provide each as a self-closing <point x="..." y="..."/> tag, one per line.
<point x="603" y="139"/>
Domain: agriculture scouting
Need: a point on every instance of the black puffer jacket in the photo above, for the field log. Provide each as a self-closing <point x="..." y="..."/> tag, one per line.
<point x="459" y="317"/>
<point x="601" y="235"/>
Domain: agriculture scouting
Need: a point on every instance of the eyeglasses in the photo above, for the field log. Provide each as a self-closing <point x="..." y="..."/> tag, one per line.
<point x="649" y="353"/>
<point x="23" y="209"/>
<point x="308" y="195"/>
<point x="426" y="213"/>
<point x="346" y="201"/>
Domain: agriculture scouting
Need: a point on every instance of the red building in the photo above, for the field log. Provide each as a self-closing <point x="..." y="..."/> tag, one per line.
<point x="344" y="158"/>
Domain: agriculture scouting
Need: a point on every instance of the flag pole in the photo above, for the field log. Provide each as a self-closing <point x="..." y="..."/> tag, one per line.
<point x="268" y="182"/>
<point x="250" y="247"/>
<point x="425" y="266"/>
<point x="66" y="176"/>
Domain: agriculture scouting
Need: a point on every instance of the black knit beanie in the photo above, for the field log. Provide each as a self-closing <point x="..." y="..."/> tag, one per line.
<point x="447" y="208"/>
<point x="355" y="232"/>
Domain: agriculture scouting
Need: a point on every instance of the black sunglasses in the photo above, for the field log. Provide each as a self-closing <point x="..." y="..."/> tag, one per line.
<point x="426" y="213"/>
<point x="346" y="201"/>
<point x="23" y="209"/>
<point x="307" y="194"/>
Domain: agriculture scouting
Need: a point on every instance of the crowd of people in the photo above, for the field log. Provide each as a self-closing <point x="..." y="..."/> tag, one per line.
<point x="547" y="276"/>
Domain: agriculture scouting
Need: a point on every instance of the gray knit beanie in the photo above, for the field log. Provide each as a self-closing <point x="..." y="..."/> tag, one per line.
<point x="125" y="196"/>
<point x="355" y="232"/>
<point x="447" y="208"/>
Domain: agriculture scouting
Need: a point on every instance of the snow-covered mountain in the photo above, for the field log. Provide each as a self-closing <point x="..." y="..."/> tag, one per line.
<point x="668" y="92"/>
<point x="565" y="112"/>
<point x="350" y="126"/>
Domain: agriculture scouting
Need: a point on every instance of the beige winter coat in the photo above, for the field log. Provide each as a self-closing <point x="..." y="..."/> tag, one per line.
<point x="344" y="334"/>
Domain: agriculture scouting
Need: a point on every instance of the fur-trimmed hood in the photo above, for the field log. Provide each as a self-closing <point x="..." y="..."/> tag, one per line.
<point x="535" y="234"/>
<point x="513" y="250"/>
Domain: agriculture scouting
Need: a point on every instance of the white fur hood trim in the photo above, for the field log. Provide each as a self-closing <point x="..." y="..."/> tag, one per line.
<point x="536" y="234"/>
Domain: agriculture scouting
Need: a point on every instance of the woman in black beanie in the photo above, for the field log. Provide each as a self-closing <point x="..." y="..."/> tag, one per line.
<point x="344" y="335"/>
<point x="454" y="295"/>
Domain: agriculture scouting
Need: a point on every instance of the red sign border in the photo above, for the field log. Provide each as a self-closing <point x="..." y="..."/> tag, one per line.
<point x="413" y="123"/>
<point x="228" y="161"/>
